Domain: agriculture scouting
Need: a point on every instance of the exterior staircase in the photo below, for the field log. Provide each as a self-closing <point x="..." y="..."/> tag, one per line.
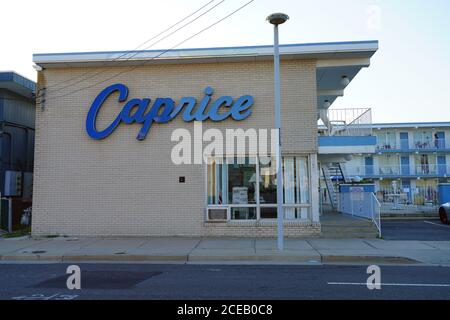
<point x="338" y="171"/>
<point x="332" y="194"/>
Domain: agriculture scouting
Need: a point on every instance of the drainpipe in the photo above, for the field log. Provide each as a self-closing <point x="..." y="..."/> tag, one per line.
<point x="10" y="215"/>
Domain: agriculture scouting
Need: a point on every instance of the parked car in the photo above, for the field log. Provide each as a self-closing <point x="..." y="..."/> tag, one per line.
<point x="444" y="213"/>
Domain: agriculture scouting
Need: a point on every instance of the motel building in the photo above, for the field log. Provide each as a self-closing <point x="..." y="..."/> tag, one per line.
<point x="121" y="139"/>
<point x="411" y="163"/>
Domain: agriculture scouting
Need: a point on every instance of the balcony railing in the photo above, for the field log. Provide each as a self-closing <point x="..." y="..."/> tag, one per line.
<point x="420" y="170"/>
<point x="424" y="144"/>
<point x="387" y="146"/>
<point x="347" y="122"/>
<point x="414" y="144"/>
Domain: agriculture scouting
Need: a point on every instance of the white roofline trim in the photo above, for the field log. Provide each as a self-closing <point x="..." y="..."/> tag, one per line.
<point x="369" y="47"/>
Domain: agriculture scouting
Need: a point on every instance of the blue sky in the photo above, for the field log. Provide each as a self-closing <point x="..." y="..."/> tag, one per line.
<point x="408" y="79"/>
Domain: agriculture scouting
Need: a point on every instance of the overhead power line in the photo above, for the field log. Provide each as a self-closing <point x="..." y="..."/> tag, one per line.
<point x="143" y="43"/>
<point x="160" y="54"/>
<point x="137" y="52"/>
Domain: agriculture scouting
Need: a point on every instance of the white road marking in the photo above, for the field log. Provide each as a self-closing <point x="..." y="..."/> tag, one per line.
<point x="436" y="224"/>
<point x="43" y="297"/>
<point x="388" y="284"/>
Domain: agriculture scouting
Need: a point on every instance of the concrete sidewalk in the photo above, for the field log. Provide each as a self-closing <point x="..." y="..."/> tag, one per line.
<point x="211" y="250"/>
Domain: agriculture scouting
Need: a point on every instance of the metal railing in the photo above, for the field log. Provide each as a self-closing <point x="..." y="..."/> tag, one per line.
<point x="363" y="205"/>
<point x="423" y="144"/>
<point x="387" y="146"/>
<point x="376" y="213"/>
<point x="329" y="184"/>
<point x="347" y="122"/>
<point x="413" y="144"/>
<point x="421" y="170"/>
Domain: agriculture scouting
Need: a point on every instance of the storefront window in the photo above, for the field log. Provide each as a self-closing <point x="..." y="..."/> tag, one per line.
<point x="249" y="189"/>
<point x="268" y="187"/>
<point x="268" y="212"/>
<point x="296" y="187"/>
<point x="248" y="213"/>
<point x="268" y="181"/>
<point x="217" y="182"/>
<point x="241" y="181"/>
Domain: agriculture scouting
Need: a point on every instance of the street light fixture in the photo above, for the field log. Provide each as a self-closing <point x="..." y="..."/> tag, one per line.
<point x="277" y="19"/>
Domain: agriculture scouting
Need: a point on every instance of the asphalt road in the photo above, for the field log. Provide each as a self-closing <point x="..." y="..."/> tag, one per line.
<point x="140" y="281"/>
<point x="421" y="230"/>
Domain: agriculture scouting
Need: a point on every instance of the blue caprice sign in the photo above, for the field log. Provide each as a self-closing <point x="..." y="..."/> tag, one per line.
<point x="164" y="110"/>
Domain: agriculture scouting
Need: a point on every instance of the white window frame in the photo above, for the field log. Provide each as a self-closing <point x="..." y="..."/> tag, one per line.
<point x="258" y="205"/>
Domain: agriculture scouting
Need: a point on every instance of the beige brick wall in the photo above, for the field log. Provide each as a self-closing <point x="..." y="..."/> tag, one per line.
<point x="238" y="229"/>
<point x="122" y="186"/>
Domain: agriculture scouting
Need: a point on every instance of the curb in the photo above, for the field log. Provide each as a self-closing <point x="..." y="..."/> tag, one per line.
<point x="270" y="258"/>
<point x="255" y="258"/>
<point x="370" y="260"/>
<point x="124" y="258"/>
<point x="31" y="257"/>
<point x="93" y="258"/>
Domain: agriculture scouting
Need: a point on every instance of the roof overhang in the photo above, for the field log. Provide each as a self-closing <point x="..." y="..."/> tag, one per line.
<point x="320" y="51"/>
<point x="334" y="60"/>
<point x="16" y="83"/>
<point x="410" y="125"/>
<point x="330" y="72"/>
<point x="329" y="78"/>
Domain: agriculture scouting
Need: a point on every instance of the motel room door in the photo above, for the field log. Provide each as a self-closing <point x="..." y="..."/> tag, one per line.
<point x="406" y="188"/>
<point x="404" y="143"/>
<point x="440" y="144"/>
<point x="405" y="166"/>
<point x="368" y="161"/>
<point x="442" y="165"/>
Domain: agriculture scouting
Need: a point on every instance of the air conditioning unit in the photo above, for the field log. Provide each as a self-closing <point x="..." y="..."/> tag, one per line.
<point x="218" y="214"/>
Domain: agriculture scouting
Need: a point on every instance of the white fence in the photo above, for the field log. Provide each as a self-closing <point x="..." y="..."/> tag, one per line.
<point x="418" y="196"/>
<point x="363" y="205"/>
<point x="348" y="122"/>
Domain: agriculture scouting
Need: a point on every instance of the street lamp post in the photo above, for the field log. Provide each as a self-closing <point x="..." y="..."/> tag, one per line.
<point x="277" y="19"/>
